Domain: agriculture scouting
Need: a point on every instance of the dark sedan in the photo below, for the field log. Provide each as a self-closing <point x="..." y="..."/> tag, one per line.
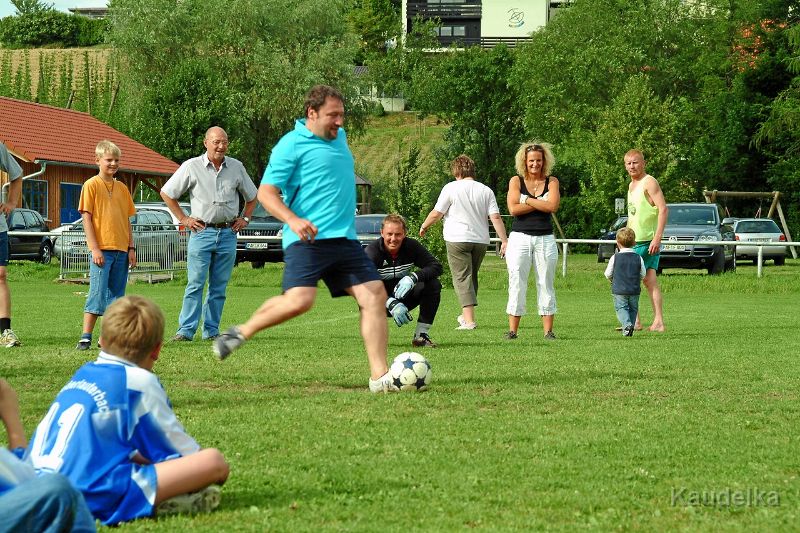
<point x="34" y="247"/>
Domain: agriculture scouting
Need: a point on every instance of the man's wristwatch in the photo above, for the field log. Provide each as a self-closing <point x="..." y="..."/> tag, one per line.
<point x="246" y="219"/>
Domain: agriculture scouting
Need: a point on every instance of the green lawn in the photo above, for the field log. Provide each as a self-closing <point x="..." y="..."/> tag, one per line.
<point x="695" y="429"/>
<point x="387" y="139"/>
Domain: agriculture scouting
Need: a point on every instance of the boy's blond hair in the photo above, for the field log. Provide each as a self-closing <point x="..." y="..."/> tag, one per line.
<point x="107" y="147"/>
<point x="626" y="237"/>
<point x="132" y="327"/>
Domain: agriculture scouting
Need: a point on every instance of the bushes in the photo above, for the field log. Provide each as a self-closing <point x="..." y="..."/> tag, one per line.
<point x="51" y="27"/>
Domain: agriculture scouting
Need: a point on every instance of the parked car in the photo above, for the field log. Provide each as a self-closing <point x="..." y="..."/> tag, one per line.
<point x="34" y="247"/>
<point x="605" y="251"/>
<point x="368" y="227"/>
<point x="260" y="251"/>
<point x="161" y="206"/>
<point x="757" y="230"/>
<point x="156" y="237"/>
<point x="688" y="226"/>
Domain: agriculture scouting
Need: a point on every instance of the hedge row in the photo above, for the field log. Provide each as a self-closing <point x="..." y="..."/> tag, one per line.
<point x="51" y="27"/>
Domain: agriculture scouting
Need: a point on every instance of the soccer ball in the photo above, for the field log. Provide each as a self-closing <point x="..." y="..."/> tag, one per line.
<point x="410" y="371"/>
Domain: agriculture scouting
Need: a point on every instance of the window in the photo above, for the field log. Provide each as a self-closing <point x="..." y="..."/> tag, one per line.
<point x="34" y="195"/>
<point x="451" y="31"/>
<point x="31" y="221"/>
<point x="17" y="220"/>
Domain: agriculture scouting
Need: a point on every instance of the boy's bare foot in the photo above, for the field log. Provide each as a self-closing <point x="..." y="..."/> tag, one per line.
<point x="658" y="327"/>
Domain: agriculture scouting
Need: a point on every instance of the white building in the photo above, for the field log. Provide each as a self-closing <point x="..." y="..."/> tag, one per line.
<point x="484" y="23"/>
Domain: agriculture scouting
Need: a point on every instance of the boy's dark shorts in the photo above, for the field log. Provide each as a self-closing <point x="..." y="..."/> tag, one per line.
<point x="340" y="263"/>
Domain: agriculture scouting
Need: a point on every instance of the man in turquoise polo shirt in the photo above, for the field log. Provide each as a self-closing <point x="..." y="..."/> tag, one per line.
<point x="313" y="167"/>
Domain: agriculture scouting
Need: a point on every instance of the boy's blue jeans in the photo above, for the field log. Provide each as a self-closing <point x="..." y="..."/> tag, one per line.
<point x="627" y="307"/>
<point x="46" y="503"/>
<point x="107" y="283"/>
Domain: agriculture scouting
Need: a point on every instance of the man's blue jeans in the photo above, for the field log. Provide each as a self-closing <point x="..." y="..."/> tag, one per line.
<point x="211" y="256"/>
<point x="627" y="307"/>
<point x="46" y="503"/>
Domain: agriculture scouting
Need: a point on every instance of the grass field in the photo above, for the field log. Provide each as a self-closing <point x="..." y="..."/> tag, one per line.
<point x="695" y="429"/>
<point x="387" y="140"/>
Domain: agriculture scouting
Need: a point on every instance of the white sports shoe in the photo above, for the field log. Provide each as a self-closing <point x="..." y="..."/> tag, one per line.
<point x="382" y="384"/>
<point x="202" y="501"/>
<point x="9" y="339"/>
<point x="463" y="324"/>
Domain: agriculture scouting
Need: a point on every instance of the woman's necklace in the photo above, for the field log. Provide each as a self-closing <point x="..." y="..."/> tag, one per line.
<point x="111" y="189"/>
<point x="534" y="185"/>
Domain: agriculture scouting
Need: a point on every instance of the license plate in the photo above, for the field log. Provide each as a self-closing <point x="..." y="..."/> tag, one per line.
<point x="673" y="248"/>
<point x="761" y="240"/>
<point x="256" y="245"/>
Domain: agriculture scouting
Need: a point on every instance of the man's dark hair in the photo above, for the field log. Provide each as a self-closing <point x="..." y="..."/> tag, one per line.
<point x="316" y="96"/>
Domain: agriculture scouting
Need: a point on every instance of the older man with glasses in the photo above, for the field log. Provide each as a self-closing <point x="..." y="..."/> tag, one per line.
<point x="214" y="182"/>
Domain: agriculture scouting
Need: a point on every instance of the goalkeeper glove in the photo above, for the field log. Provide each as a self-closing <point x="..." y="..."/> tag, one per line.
<point x="405" y="285"/>
<point x="399" y="311"/>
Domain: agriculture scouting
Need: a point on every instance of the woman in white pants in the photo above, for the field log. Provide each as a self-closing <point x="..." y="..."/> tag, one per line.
<point x="533" y="196"/>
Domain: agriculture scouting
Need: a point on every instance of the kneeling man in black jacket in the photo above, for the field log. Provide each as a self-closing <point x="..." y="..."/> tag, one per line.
<point x="410" y="274"/>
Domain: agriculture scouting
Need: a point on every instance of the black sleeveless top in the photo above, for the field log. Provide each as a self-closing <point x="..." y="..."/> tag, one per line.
<point x="536" y="222"/>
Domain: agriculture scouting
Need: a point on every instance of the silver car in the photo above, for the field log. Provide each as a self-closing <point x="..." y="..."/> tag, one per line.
<point x="758" y="230"/>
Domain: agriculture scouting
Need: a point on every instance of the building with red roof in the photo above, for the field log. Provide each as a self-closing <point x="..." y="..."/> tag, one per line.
<point x="55" y="148"/>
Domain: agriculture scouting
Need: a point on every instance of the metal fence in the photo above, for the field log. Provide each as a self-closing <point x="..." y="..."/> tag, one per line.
<point x="761" y="245"/>
<point x="165" y="251"/>
<point x="157" y="250"/>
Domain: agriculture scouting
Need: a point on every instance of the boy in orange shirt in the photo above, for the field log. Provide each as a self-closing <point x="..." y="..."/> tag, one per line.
<point x="106" y="207"/>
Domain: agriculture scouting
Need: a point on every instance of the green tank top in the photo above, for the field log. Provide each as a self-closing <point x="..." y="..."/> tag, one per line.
<point x="642" y="217"/>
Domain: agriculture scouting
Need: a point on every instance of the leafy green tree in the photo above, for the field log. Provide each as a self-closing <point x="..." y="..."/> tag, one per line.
<point x="376" y="22"/>
<point x="246" y="68"/>
<point x="470" y="89"/>
<point x="28" y="7"/>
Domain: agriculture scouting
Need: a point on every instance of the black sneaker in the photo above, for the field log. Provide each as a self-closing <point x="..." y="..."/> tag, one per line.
<point x="180" y="338"/>
<point x="628" y="331"/>
<point x="550" y="336"/>
<point x="227" y="342"/>
<point x="423" y="340"/>
<point x="84" y="344"/>
<point x="510" y="335"/>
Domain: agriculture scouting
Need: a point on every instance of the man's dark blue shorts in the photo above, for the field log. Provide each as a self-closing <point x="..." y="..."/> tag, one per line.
<point x="4" y="253"/>
<point x="340" y="263"/>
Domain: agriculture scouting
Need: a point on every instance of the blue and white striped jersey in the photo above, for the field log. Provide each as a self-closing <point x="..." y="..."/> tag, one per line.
<point x="108" y="412"/>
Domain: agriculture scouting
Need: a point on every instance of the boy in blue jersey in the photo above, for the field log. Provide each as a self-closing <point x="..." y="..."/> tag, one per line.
<point x="111" y="430"/>
<point x="313" y="167"/>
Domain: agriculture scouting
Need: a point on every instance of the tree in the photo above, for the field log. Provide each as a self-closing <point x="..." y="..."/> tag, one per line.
<point x="471" y="90"/>
<point x="29" y="7"/>
<point x="377" y="22"/>
<point x="246" y="68"/>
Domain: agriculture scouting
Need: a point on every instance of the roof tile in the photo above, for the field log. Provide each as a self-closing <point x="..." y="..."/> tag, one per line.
<point x="41" y="132"/>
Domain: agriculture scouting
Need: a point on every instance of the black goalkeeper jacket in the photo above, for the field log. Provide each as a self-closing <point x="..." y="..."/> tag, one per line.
<point x="413" y="257"/>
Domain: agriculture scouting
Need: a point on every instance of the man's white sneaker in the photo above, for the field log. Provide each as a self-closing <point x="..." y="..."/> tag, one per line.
<point x="9" y="339"/>
<point x="385" y="383"/>
<point x="202" y="501"/>
<point x="463" y="324"/>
